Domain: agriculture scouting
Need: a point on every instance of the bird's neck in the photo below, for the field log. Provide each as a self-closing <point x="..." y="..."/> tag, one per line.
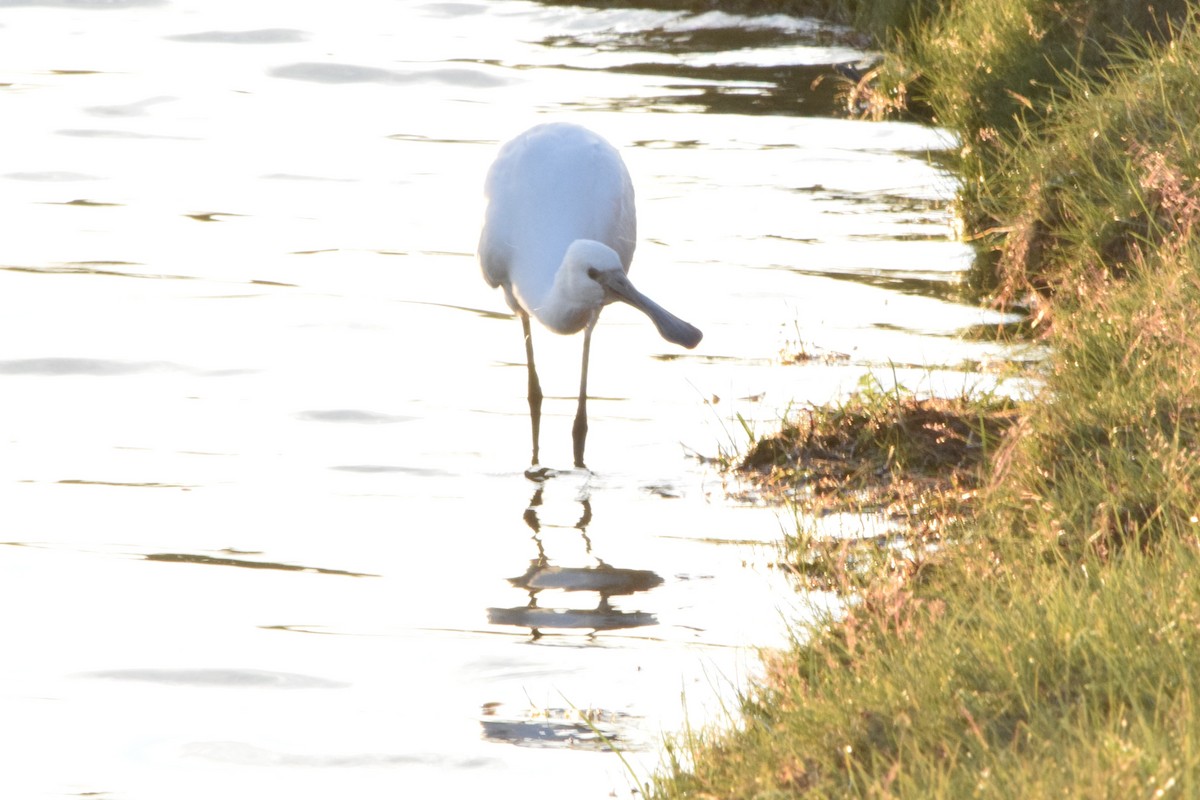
<point x="559" y="312"/>
<point x="561" y="308"/>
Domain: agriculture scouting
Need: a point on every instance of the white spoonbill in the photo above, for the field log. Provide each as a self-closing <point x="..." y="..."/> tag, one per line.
<point x="558" y="237"/>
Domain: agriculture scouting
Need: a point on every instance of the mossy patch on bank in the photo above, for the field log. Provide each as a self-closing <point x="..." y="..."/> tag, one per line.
<point x="879" y="438"/>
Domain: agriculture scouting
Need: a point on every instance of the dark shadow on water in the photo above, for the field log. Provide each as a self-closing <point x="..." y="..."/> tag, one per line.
<point x="337" y="74"/>
<point x="105" y="368"/>
<point x="83" y="366"/>
<point x="52" y="176"/>
<point x="935" y="285"/>
<point x="95" y="268"/>
<point x="250" y="755"/>
<point x="791" y="90"/>
<point x="727" y="68"/>
<point x="384" y="469"/>
<point x="220" y="561"/>
<point x="260" y="36"/>
<point x="352" y="416"/>
<point x="919" y="210"/>
<point x="696" y="39"/>
<point x="218" y="678"/>
<point x="108" y="133"/>
<point x="86" y="5"/>
<point x="480" y="312"/>
<point x="124" y="484"/>
<point x="138" y="108"/>
<point x="82" y="202"/>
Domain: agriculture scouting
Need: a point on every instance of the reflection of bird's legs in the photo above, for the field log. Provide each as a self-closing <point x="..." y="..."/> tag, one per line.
<point x="535" y="388"/>
<point x="535" y="524"/>
<point x="580" y="428"/>
<point x="585" y="518"/>
<point x="531" y="516"/>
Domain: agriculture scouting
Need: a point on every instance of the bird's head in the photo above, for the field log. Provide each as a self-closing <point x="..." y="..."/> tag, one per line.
<point x="596" y="275"/>
<point x="585" y="269"/>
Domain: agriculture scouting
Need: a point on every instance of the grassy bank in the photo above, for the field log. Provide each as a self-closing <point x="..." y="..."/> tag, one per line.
<point x="1050" y="682"/>
<point x="1048" y="646"/>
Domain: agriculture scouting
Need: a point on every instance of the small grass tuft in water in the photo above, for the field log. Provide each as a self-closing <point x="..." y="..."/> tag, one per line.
<point x="913" y="463"/>
<point x="882" y="444"/>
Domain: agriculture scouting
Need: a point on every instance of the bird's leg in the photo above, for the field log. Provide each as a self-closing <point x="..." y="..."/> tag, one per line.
<point x="535" y="388"/>
<point x="580" y="428"/>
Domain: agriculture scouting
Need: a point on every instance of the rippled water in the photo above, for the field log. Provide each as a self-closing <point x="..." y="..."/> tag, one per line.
<point x="265" y="525"/>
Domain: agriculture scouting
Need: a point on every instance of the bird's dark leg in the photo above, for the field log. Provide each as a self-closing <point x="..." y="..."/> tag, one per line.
<point x="580" y="428"/>
<point x="535" y="388"/>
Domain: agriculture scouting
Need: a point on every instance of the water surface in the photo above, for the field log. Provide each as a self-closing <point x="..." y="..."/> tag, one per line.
<point x="265" y="528"/>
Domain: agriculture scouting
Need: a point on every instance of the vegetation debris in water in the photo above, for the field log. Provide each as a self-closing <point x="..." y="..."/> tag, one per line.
<point x="882" y="447"/>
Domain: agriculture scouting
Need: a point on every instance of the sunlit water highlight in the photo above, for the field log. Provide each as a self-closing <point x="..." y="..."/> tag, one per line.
<point x="265" y="527"/>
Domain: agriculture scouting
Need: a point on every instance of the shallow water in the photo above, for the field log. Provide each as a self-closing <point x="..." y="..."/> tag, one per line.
<point x="265" y="524"/>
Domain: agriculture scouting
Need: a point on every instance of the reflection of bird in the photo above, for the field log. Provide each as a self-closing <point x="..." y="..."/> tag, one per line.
<point x="604" y="579"/>
<point x="558" y="236"/>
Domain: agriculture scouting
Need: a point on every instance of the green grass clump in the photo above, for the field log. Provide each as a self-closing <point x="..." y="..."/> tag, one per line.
<point x="1114" y="177"/>
<point x="1107" y="228"/>
<point x="1029" y="683"/>
<point x="989" y="67"/>
<point x="1112" y="455"/>
<point x="998" y="73"/>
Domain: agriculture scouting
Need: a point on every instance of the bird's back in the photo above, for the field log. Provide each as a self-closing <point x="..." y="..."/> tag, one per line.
<point x="551" y="185"/>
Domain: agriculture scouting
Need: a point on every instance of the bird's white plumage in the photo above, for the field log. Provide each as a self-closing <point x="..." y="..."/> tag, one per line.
<point x="550" y="186"/>
<point x="558" y="237"/>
